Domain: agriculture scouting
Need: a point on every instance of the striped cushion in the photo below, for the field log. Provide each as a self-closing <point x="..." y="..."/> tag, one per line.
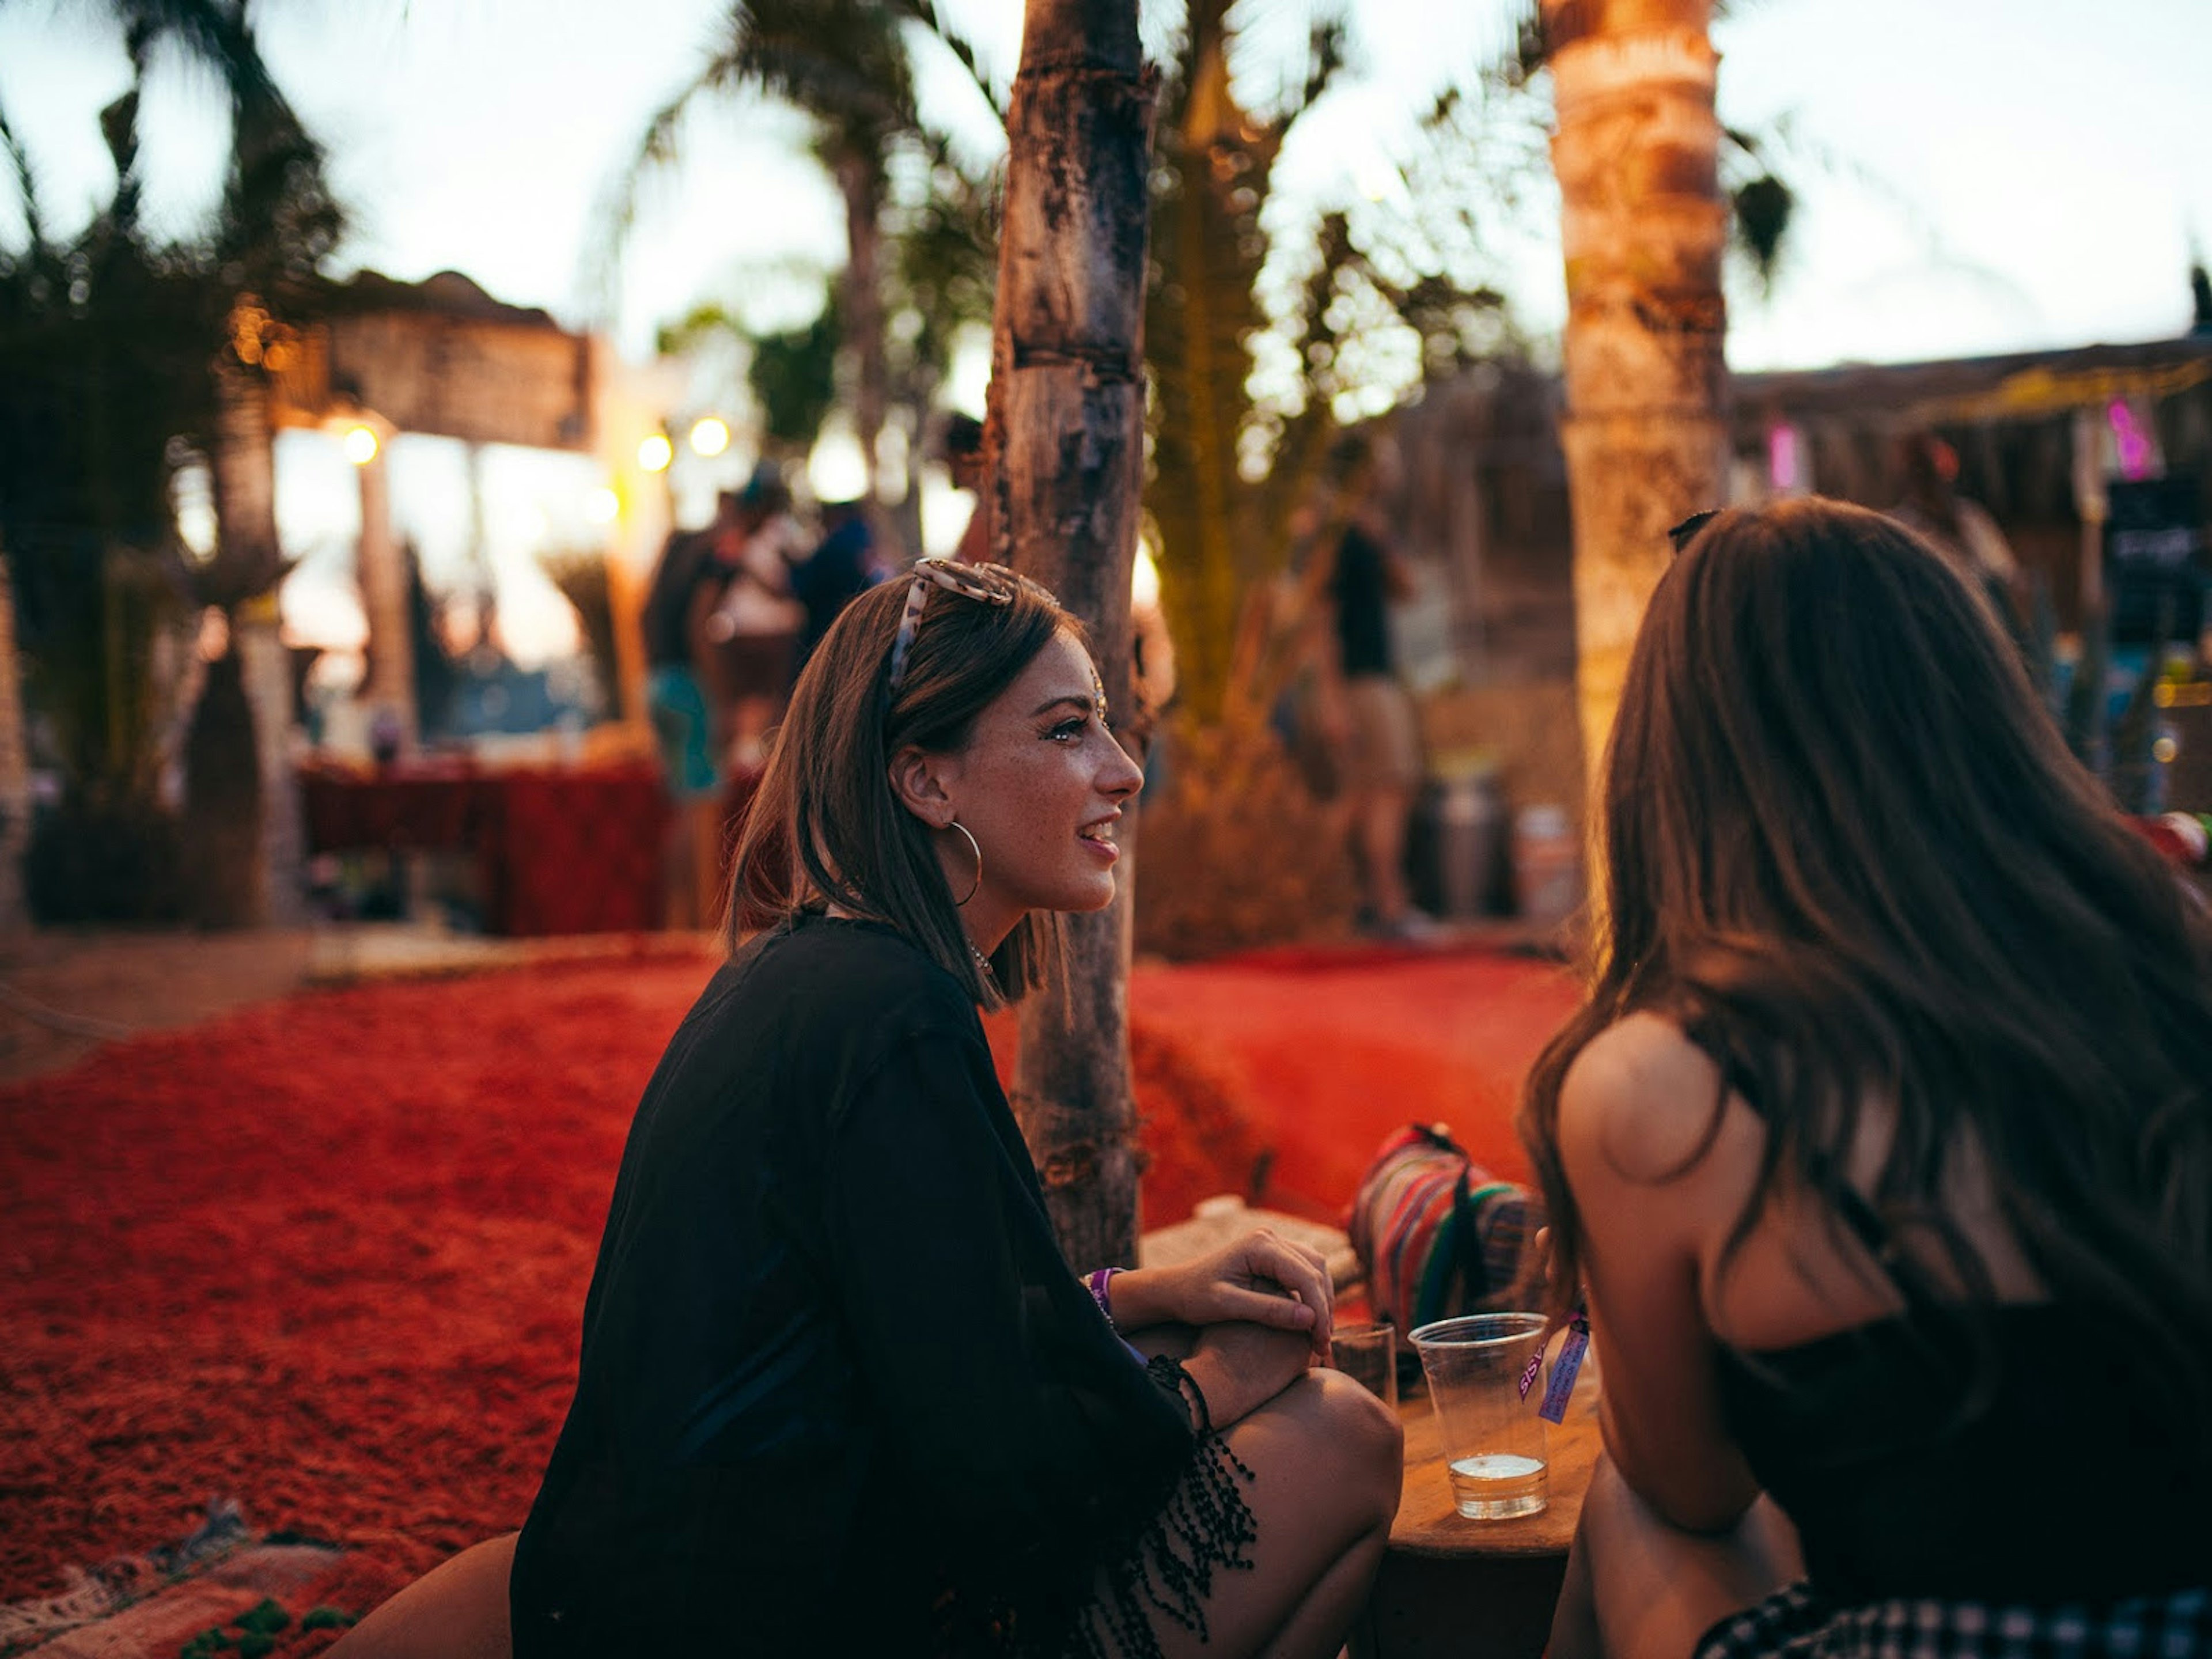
<point x="1437" y="1235"/>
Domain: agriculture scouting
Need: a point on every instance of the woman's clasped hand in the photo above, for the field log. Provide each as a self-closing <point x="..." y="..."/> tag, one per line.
<point x="1260" y="1279"/>
<point x="1246" y="1320"/>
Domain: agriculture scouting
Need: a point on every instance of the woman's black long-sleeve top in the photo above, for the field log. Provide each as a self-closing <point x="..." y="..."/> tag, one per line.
<point x="839" y="1390"/>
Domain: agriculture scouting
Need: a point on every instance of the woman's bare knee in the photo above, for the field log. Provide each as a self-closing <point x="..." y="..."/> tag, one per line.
<point x="1360" y="1434"/>
<point x="458" y="1610"/>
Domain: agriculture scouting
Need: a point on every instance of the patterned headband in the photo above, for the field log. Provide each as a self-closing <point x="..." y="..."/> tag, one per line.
<point x="986" y="584"/>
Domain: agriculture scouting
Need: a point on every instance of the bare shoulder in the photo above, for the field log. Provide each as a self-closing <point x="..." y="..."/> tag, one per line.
<point x="1638" y="1105"/>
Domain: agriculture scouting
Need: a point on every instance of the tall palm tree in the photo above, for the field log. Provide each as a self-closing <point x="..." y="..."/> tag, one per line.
<point x="845" y="64"/>
<point x="1643" y="224"/>
<point x="939" y="238"/>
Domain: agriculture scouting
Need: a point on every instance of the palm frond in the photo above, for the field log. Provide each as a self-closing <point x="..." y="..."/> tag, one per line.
<point x="27" y="186"/>
<point x="1325" y="58"/>
<point x="1519" y="54"/>
<point x="844" y="61"/>
<point x="837" y="94"/>
<point x="616" y="212"/>
<point x="924" y="15"/>
<point x="215" y="35"/>
<point x="119" y="128"/>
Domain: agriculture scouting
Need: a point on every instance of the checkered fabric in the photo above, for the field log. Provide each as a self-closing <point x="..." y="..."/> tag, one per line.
<point x="1798" y="1623"/>
<point x="1420" y="1196"/>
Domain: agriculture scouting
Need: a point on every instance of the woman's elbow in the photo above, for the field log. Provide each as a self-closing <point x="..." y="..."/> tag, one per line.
<point x="1708" y="1514"/>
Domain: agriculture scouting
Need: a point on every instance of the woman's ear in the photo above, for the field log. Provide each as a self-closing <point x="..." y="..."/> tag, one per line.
<point x="918" y="778"/>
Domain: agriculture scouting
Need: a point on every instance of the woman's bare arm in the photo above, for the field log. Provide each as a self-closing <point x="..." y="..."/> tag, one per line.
<point x="1633" y="1111"/>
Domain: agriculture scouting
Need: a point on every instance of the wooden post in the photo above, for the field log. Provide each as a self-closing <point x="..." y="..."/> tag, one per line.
<point x="1066" y="413"/>
<point x="382" y="572"/>
<point x="280" y="898"/>
<point x="1643" y="223"/>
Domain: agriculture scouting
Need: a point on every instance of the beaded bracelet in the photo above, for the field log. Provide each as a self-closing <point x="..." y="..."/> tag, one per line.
<point x="1101" y="1283"/>
<point x="1167" y="1372"/>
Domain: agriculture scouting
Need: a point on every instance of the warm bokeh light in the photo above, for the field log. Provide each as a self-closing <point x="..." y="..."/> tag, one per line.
<point x="360" y="445"/>
<point x="656" y="453"/>
<point x="709" y="436"/>
<point x="602" y="506"/>
<point x="1144" y="578"/>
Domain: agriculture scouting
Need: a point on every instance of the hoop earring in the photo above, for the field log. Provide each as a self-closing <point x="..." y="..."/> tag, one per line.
<point x="975" y="886"/>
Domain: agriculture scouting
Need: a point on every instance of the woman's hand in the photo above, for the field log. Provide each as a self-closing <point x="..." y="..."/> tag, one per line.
<point x="1259" y="1280"/>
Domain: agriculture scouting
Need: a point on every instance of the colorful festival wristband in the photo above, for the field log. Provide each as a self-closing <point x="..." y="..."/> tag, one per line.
<point x="1101" y="1284"/>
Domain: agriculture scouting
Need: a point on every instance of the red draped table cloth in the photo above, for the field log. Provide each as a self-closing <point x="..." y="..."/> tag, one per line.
<point x="557" y="850"/>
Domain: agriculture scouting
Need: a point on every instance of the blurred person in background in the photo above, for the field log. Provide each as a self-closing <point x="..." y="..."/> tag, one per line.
<point x="843" y="565"/>
<point x="751" y="634"/>
<point x="1962" y="531"/>
<point x="1364" y="713"/>
<point x="684" y="587"/>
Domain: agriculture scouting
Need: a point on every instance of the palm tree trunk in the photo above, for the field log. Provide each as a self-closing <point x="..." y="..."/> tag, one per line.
<point x="860" y="180"/>
<point x="1068" y="407"/>
<point x="250" y="561"/>
<point x="1642" y="222"/>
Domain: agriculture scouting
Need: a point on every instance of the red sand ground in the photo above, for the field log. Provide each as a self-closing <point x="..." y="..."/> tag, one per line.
<point x="327" y="1256"/>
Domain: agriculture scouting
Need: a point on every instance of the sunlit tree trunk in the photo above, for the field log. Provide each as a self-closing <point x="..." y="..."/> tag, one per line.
<point x="1642" y="222"/>
<point x="1066" y="412"/>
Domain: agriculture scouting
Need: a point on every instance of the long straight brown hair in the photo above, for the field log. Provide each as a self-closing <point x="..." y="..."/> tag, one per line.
<point x="825" y="827"/>
<point x="1847" y="851"/>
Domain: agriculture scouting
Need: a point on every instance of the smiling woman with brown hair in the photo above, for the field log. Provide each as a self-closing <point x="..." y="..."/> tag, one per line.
<point x="840" y="1391"/>
<point x="1882" y="1146"/>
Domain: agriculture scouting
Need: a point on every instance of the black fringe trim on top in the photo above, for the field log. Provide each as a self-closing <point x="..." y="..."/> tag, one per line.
<point x="1205" y="1527"/>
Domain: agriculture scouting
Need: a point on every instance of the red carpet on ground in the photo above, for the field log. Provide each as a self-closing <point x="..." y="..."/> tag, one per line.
<point x="327" y="1256"/>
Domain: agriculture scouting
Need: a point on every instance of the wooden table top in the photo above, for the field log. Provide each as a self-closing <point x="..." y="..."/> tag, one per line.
<point x="1428" y="1525"/>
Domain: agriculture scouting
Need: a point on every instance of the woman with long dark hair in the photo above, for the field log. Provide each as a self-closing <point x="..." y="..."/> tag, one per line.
<point x="840" y="1392"/>
<point x="1881" y="1149"/>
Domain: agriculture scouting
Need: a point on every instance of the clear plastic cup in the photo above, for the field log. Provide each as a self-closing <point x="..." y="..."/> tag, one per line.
<point x="1494" y="1442"/>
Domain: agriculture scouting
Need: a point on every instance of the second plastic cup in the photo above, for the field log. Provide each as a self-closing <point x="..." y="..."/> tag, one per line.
<point x="1368" y="1353"/>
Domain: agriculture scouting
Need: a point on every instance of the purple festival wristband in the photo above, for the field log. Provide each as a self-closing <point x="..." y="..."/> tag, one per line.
<point x="1101" y="1283"/>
